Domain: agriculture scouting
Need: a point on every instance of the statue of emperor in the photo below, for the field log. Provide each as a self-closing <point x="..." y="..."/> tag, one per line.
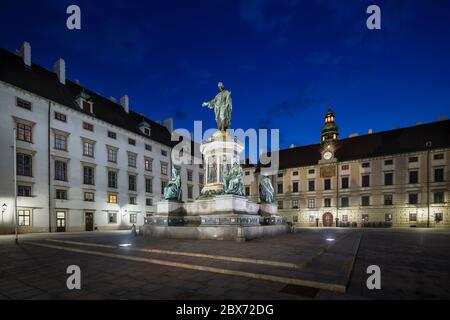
<point x="222" y="106"/>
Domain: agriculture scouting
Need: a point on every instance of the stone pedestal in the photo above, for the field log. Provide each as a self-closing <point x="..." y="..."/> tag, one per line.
<point x="268" y="209"/>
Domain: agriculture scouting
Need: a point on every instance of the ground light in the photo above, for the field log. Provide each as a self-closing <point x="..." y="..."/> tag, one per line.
<point x="330" y="239"/>
<point x="125" y="245"/>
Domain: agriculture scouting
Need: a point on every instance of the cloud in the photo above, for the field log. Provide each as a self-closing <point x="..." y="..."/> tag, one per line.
<point x="194" y="72"/>
<point x="288" y="107"/>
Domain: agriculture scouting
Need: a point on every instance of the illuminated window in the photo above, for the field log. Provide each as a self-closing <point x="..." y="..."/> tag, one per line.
<point x="112" y="198"/>
<point x="24" y="217"/>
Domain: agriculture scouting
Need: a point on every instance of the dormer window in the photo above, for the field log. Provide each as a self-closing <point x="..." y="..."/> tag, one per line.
<point x="85" y="102"/>
<point x="144" y="126"/>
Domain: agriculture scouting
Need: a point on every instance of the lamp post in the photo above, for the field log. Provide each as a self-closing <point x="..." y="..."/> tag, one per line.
<point x="4" y="207"/>
<point x="428" y="144"/>
<point x="16" y="218"/>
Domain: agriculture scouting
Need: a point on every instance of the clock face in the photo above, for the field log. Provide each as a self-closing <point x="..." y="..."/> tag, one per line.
<point x="327" y="155"/>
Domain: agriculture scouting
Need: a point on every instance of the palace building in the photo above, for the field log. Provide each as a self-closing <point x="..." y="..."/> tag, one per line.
<point x="84" y="162"/>
<point x="394" y="178"/>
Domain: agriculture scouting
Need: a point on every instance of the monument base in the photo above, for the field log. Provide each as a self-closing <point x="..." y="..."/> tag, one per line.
<point x="236" y="233"/>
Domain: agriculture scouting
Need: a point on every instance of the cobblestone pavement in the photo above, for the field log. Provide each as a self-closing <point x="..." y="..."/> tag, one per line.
<point x="414" y="265"/>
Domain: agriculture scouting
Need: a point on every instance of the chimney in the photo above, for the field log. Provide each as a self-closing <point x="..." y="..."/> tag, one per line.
<point x="25" y="53"/>
<point x="124" y="102"/>
<point x="113" y="99"/>
<point x="60" y="69"/>
<point x="353" y="135"/>
<point x="168" y="123"/>
<point x="370" y="131"/>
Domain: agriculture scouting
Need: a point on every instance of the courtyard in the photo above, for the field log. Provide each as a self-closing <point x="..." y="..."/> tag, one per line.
<point x="311" y="263"/>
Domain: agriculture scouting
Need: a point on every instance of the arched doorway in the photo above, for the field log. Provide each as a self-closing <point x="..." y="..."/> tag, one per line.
<point x="327" y="219"/>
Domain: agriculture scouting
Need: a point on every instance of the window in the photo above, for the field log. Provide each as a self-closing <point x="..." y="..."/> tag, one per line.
<point x="311" y="203"/>
<point x="280" y="175"/>
<point x="148" y="147"/>
<point x="247" y="191"/>
<point x="163" y="168"/>
<point x="365" y="180"/>
<point x="88" y="149"/>
<point x="312" y="218"/>
<point x="388" y="162"/>
<point x="311" y="185"/>
<point x="132" y="200"/>
<point x="133" y="218"/>
<point x="23" y="191"/>
<point x="388" y="217"/>
<point x="189" y="175"/>
<point x="190" y="192"/>
<point x="60" y="142"/>
<point x="413" y="159"/>
<point x="365" y="217"/>
<point x="89" y="196"/>
<point x="60" y="170"/>
<point x="23" y="132"/>
<point x="148" y="164"/>
<point x="112" y="135"/>
<point x="344" y="202"/>
<point x="438" y="217"/>
<point x="247" y="173"/>
<point x="327" y="202"/>
<point x="413" y="198"/>
<point x="163" y="186"/>
<point x="131" y="182"/>
<point x="149" y="185"/>
<point x="280" y="204"/>
<point x="60" y="117"/>
<point x="295" y="173"/>
<point x="345" y="167"/>
<point x="388" y="179"/>
<point x="61" y="194"/>
<point x="163" y="153"/>
<point x="24" y="165"/>
<point x="365" y="165"/>
<point x="311" y="171"/>
<point x="438" y="156"/>
<point x="88" y="126"/>
<point x="112" y="198"/>
<point x="279" y="188"/>
<point x="388" y="199"/>
<point x="345" y="218"/>
<point x="413" y="217"/>
<point x="344" y="183"/>
<point x="295" y="219"/>
<point x="295" y="187"/>
<point x="131" y="142"/>
<point x="327" y="184"/>
<point x="23" y="103"/>
<point x="439" y="175"/>
<point x="365" y="200"/>
<point x="294" y="204"/>
<point x="88" y="175"/>
<point x="438" y="197"/>
<point x="132" y="160"/>
<point x="112" y="155"/>
<point x="149" y="202"/>
<point x="413" y="177"/>
<point x="112" y="179"/>
<point x="112" y="217"/>
<point x="24" y="217"/>
<point x="86" y="107"/>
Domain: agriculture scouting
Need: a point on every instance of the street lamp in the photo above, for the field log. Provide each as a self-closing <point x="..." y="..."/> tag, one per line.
<point x="4" y="207"/>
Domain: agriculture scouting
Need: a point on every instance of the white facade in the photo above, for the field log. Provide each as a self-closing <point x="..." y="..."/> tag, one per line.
<point x="39" y="209"/>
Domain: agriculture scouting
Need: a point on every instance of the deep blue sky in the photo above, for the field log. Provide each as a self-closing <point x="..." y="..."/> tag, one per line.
<point x="284" y="61"/>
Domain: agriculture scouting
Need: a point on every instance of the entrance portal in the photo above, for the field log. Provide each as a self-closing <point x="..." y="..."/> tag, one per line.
<point x="60" y="221"/>
<point x="327" y="219"/>
<point x="89" y="221"/>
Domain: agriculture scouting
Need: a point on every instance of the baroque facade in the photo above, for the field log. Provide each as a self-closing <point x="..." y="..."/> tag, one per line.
<point x="84" y="162"/>
<point x="396" y="178"/>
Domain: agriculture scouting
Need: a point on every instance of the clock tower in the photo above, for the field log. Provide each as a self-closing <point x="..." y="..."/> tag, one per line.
<point x="328" y="137"/>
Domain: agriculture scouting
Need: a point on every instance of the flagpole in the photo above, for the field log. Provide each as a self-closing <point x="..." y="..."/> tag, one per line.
<point x="16" y="229"/>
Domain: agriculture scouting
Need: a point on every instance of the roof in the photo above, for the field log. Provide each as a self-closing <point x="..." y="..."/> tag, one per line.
<point x="45" y="83"/>
<point x="397" y="141"/>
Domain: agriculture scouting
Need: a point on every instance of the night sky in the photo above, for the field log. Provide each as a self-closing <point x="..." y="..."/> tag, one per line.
<point x="284" y="61"/>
